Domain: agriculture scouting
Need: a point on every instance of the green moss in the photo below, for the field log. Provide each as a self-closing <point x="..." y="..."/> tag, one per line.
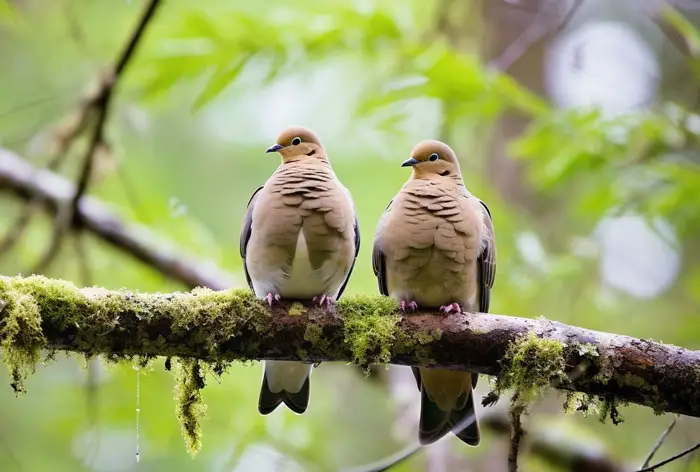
<point x="606" y="370"/>
<point x="579" y="402"/>
<point x="93" y="314"/>
<point x="297" y="309"/>
<point x="426" y="336"/>
<point x="587" y="350"/>
<point x="635" y="381"/>
<point x="370" y="325"/>
<point x="314" y="335"/>
<point x="417" y="343"/>
<point x="609" y="408"/>
<point x="21" y="335"/>
<point x="211" y="312"/>
<point x="530" y="365"/>
<point x="189" y="405"/>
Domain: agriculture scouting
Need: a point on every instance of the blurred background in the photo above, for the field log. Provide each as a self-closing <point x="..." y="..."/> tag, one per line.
<point x="576" y="121"/>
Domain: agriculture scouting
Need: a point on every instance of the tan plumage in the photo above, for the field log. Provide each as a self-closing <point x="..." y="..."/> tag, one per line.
<point x="299" y="240"/>
<point x="434" y="247"/>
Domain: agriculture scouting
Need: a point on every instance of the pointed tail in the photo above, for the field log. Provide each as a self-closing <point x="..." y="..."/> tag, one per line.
<point x="436" y="421"/>
<point x="284" y="382"/>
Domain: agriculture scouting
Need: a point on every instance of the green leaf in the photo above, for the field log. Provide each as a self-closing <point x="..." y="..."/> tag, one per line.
<point x="219" y="80"/>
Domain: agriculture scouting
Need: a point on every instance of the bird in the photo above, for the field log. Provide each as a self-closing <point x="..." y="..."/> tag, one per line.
<point x="299" y="240"/>
<point x="435" y="248"/>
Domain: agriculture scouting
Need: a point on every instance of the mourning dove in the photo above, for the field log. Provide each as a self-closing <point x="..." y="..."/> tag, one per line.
<point x="300" y="239"/>
<point x="435" y="248"/>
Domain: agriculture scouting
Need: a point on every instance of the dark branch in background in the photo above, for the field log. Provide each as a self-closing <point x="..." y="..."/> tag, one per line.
<point x="63" y="138"/>
<point x="54" y="192"/>
<point x="660" y="442"/>
<point x="14" y="234"/>
<point x="671" y="459"/>
<point x="517" y="410"/>
<point x="541" y="26"/>
<point x="100" y="106"/>
<point x="222" y="326"/>
<point x="554" y="449"/>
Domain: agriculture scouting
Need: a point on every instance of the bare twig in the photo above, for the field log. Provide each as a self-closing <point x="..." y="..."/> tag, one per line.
<point x="100" y="106"/>
<point x="54" y="192"/>
<point x="538" y="29"/>
<point x="660" y="441"/>
<point x="30" y="104"/>
<point x="517" y="409"/>
<point x="670" y="459"/>
<point x="14" y="234"/>
<point x="82" y="259"/>
<point x="64" y="136"/>
<point x="554" y="449"/>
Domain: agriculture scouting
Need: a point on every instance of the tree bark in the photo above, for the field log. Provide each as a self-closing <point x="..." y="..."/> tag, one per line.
<point x="232" y="325"/>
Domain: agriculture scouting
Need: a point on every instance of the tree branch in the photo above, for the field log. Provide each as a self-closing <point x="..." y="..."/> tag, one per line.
<point x="555" y="449"/>
<point x="660" y="442"/>
<point x="233" y="325"/>
<point x="99" y="105"/>
<point x="517" y="409"/>
<point x="55" y="192"/>
<point x="671" y="459"/>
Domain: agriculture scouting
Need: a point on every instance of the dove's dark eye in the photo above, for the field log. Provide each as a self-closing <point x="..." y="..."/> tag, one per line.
<point x="296" y="141"/>
<point x="433" y="157"/>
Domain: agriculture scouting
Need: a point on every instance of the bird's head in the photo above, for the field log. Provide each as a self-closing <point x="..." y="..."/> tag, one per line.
<point x="431" y="159"/>
<point x="297" y="143"/>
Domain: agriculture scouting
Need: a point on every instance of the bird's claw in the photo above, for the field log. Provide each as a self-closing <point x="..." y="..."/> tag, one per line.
<point x="408" y="306"/>
<point x="451" y="308"/>
<point x="323" y="300"/>
<point x="272" y="298"/>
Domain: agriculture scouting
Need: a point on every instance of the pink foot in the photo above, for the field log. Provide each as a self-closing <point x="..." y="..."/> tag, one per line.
<point x="451" y="308"/>
<point x="408" y="306"/>
<point x="323" y="300"/>
<point x="272" y="298"/>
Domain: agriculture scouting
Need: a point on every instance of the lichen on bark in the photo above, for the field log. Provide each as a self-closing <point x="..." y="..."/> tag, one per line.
<point x="531" y="365"/>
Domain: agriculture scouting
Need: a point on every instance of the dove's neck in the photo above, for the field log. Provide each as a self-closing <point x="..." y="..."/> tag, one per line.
<point x="454" y="179"/>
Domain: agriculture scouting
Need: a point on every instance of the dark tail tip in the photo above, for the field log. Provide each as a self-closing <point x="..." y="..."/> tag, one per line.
<point x="470" y="433"/>
<point x="436" y="423"/>
<point x="269" y="401"/>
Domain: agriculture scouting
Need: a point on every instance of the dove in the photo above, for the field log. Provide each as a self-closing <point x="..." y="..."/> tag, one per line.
<point x="299" y="240"/>
<point x="434" y="248"/>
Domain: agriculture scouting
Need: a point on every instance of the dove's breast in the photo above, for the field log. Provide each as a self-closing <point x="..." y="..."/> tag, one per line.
<point x="303" y="280"/>
<point x="431" y="241"/>
<point x="305" y="222"/>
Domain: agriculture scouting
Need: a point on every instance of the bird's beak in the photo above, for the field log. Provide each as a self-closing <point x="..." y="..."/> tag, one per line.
<point x="274" y="148"/>
<point x="410" y="162"/>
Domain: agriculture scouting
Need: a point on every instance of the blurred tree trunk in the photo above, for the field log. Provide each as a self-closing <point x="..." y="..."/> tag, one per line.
<point x="504" y="24"/>
<point x="488" y="28"/>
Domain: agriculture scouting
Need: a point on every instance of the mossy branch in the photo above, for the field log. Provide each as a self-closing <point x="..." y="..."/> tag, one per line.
<point x="229" y="325"/>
